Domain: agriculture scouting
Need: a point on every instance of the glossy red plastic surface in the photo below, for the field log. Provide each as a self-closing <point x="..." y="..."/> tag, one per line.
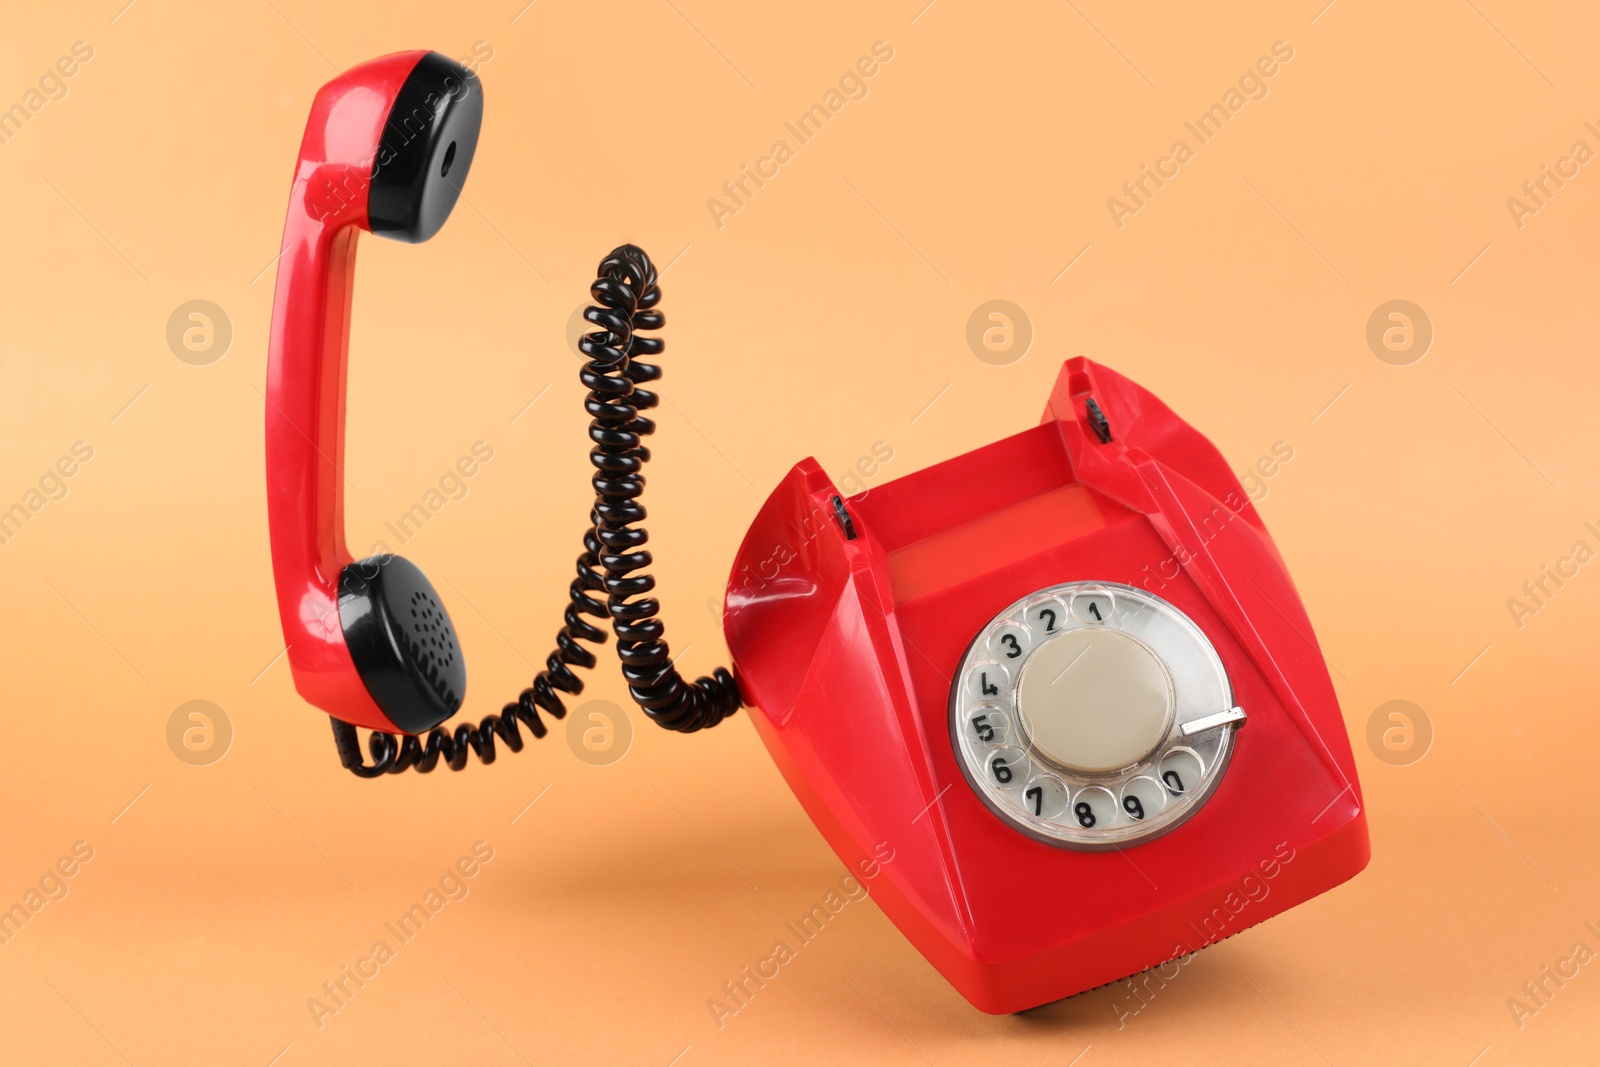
<point x="846" y="649"/>
<point x="306" y="379"/>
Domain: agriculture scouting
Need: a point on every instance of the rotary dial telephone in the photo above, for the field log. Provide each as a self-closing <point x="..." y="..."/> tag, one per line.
<point x="1065" y="677"/>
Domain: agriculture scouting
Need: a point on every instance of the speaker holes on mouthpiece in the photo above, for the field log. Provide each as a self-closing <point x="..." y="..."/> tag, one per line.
<point x="434" y="647"/>
<point x="449" y="158"/>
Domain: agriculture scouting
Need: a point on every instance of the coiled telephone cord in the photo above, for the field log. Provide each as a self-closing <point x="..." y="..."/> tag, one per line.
<point x="611" y="582"/>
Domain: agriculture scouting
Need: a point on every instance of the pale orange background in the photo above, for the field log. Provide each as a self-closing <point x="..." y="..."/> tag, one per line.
<point x="819" y="320"/>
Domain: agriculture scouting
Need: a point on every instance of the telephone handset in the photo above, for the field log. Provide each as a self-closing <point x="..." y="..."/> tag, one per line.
<point x="386" y="149"/>
<point x="1024" y="673"/>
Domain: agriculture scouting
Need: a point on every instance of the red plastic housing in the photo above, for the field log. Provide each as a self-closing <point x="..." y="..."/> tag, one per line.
<point x="846" y="650"/>
<point x="306" y="363"/>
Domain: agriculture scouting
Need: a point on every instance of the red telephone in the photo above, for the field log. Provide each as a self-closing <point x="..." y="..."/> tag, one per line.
<point x="1026" y="670"/>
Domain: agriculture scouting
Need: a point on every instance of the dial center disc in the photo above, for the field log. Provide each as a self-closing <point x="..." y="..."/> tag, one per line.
<point x="1094" y="700"/>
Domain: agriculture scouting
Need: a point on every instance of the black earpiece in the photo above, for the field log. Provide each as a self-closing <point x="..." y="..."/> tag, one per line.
<point x="401" y="641"/>
<point x="427" y="148"/>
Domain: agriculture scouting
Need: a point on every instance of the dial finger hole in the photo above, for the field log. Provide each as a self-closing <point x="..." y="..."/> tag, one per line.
<point x="1046" y="797"/>
<point x="988" y="680"/>
<point x="1007" y="768"/>
<point x="1009" y="642"/>
<point x="1143" y="798"/>
<point x="1093" y="605"/>
<point x="988" y="726"/>
<point x="1094" y="808"/>
<point x="1046" y="617"/>
<point x="1180" y="771"/>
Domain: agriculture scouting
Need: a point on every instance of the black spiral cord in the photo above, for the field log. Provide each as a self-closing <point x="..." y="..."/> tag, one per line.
<point x="613" y="562"/>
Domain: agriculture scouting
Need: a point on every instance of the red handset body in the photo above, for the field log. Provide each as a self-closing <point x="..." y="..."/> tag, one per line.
<point x="306" y="363"/>
<point x="846" y="648"/>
